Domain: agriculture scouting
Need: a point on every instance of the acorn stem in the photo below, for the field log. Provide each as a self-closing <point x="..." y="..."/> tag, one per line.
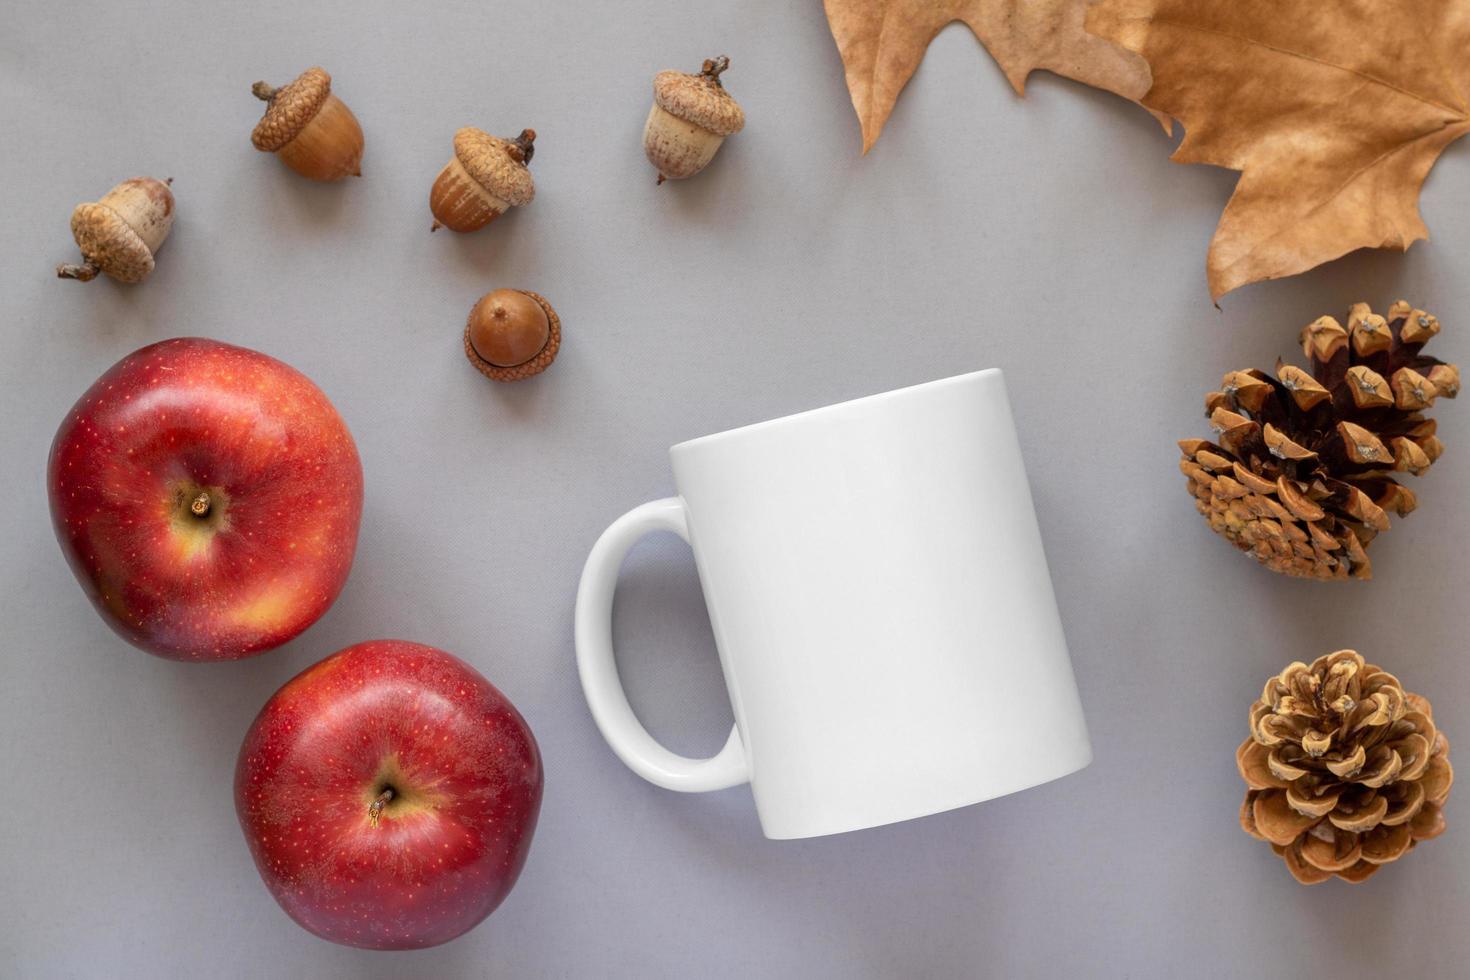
<point x="375" y="808"/>
<point x="85" y="272"/>
<point x="263" y="91"/>
<point x="713" y="67"/>
<point x="523" y="144"/>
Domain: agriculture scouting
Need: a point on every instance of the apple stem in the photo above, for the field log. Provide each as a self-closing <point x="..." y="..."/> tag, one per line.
<point x="200" y="506"/>
<point x="375" y="808"/>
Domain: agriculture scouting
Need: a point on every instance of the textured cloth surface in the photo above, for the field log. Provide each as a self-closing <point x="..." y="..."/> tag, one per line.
<point x="1048" y="236"/>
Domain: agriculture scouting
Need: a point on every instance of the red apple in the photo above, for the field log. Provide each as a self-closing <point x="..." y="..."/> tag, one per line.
<point x="207" y="498"/>
<point x="389" y="795"/>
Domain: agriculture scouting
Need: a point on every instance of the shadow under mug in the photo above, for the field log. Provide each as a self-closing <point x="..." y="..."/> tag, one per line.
<point x="881" y="604"/>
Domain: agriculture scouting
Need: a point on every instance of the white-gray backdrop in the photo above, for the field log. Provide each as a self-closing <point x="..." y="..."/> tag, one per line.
<point x="1049" y="236"/>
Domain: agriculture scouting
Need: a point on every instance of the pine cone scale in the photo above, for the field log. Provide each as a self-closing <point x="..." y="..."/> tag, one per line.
<point x="1386" y="844"/>
<point x="1331" y="854"/>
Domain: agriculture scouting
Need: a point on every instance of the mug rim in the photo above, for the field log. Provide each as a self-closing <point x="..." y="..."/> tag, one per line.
<point x="860" y="400"/>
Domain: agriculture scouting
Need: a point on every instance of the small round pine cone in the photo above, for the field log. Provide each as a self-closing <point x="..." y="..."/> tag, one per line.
<point x="1345" y="769"/>
<point x="1300" y="474"/>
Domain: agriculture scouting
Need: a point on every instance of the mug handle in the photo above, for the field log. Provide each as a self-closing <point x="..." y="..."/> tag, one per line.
<point x="600" y="683"/>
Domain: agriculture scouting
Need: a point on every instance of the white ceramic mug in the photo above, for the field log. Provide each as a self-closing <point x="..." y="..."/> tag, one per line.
<point x="882" y="608"/>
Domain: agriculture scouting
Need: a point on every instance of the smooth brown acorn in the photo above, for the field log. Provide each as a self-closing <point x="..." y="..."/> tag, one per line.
<point x="690" y="118"/>
<point x="309" y="128"/>
<point x="486" y="176"/>
<point x="120" y="234"/>
<point x="512" y="334"/>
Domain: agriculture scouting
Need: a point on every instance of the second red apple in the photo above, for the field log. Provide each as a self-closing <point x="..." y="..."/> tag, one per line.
<point x="389" y="795"/>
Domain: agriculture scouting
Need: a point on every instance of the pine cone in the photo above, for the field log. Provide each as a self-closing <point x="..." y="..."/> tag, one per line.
<point x="1346" y="771"/>
<point x="1300" y="476"/>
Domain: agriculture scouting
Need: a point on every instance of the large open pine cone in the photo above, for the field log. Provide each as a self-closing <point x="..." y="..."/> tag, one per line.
<point x="1300" y="474"/>
<point x="1346" y="770"/>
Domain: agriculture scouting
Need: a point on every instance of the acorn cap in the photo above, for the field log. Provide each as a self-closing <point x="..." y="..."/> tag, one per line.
<point x="110" y="243"/>
<point x="495" y="164"/>
<point x="535" y="365"/>
<point x="291" y="108"/>
<point x="699" y="99"/>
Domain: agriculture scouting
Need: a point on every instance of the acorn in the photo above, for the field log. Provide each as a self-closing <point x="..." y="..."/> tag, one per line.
<point x="120" y="234"/>
<point x="512" y="334"/>
<point x="485" y="177"/>
<point x="690" y="118"/>
<point x="309" y="128"/>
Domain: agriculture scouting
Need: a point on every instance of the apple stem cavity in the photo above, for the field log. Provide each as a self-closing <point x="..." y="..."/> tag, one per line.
<point x="375" y="808"/>
<point x="200" y="505"/>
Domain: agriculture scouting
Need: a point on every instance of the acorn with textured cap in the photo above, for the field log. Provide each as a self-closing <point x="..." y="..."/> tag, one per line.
<point x="690" y="118"/>
<point x="512" y="334"/>
<point x="309" y="128"/>
<point x="120" y="234"/>
<point x="486" y="177"/>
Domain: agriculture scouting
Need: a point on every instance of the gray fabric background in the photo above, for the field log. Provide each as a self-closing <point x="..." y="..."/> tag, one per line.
<point x="1049" y="236"/>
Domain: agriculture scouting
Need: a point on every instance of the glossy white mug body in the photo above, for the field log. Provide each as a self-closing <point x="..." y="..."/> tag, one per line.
<point x="881" y="604"/>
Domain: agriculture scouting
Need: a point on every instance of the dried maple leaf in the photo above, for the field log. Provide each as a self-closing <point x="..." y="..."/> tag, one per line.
<point x="1333" y="113"/>
<point x="883" y="41"/>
